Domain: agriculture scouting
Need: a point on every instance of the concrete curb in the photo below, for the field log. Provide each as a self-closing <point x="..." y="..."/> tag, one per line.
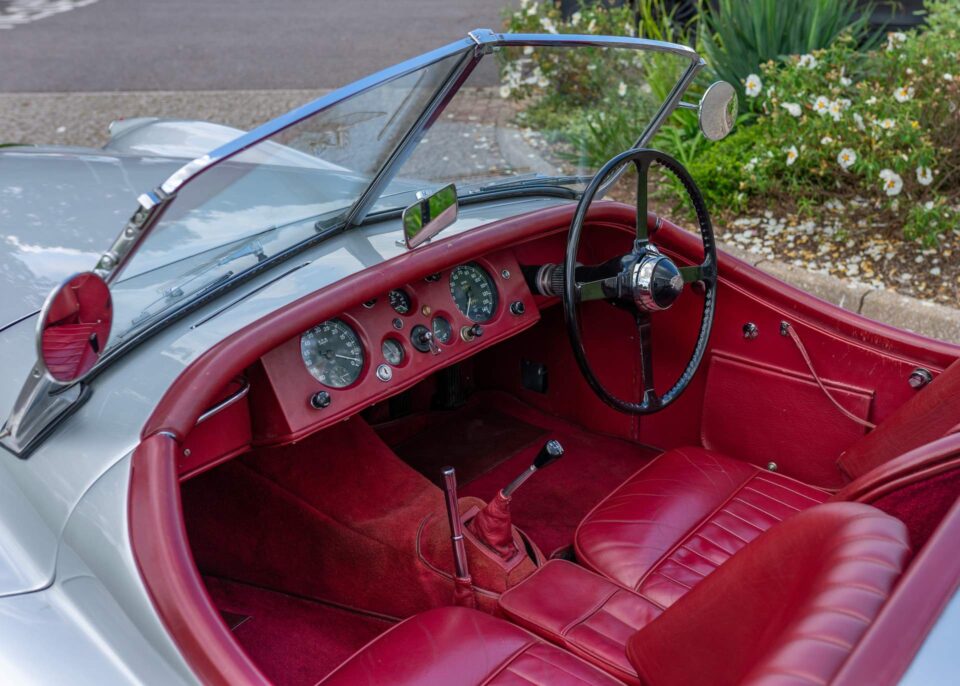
<point x="920" y="316"/>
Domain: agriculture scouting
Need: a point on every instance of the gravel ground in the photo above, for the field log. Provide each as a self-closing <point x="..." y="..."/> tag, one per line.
<point x="861" y="254"/>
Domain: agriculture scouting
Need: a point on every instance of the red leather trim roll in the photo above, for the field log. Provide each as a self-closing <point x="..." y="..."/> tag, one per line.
<point x="163" y="556"/>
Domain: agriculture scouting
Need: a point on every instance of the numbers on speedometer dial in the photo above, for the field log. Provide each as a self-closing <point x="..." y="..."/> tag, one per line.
<point x="473" y="292"/>
<point x="332" y="353"/>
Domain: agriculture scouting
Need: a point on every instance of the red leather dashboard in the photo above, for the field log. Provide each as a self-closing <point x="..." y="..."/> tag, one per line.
<point x="283" y="387"/>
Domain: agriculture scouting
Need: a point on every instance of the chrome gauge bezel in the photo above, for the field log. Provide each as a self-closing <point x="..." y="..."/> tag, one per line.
<point x="447" y="337"/>
<point x="488" y="282"/>
<point x="320" y="371"/>
<point x="395" y="343"/>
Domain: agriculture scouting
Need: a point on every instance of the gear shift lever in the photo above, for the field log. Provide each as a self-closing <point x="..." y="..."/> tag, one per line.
<point x="493" y="525"/>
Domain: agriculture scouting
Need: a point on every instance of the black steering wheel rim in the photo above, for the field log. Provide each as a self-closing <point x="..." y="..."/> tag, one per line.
<point x="705" y="274"/>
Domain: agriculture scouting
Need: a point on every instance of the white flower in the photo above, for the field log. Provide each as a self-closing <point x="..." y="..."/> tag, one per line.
<point x="792" y="155"/>
<point x="808" y="62"/>
<point x="844" y="81"/>
<point x="887" y="124"/>
<point x="821" y="105"/>
<point x="575" y="18"/>
<point x="592" y="26"/>
<point x="903" y="93"/>
<point x="948" y="77"/>
<point x="793" y="108"/>
<point x="532" y="10"/>
<point x="894" y="39"/>
<point x="859" y="120"/>
<point x="846" y="158"/>
<point x="845" y="103"/>
<point x="524" y="3"/>
<point x="548" y="25"/>
<point x="528" y="50"/>
<point x="872" y="100"/>
<point x="892" y="183"/>
<point x="752" y="86"/>
<point x="836" y="109"/>
<point x="924" y="61"/>
<point x="924" y="176"/>
<point x="622" y="89"/>
<point x="751" y="165"/>
<point x="826" y="140"/>
<point x="504" y="91"/>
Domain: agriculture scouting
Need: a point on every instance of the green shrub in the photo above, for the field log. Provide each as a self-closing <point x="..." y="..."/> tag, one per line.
<point x="740" y="35"/>
<point x="882" y="125"/>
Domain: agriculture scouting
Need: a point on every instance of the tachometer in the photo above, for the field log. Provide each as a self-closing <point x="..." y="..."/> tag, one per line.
<point x="473" y="292"/>
<point x="332" y="353"/>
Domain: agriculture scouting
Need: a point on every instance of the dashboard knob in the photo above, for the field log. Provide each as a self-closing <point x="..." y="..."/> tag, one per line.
<point x="468" y="333"/>
<point x="320" y="400"/>
<point x="517" y="308"/>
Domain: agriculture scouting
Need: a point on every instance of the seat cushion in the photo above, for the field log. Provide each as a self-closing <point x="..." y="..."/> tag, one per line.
<point x="676" y="520"/>
<point x="581" y="611"/>
<point x="455" y="646"/>
<point x="788" y="609"/>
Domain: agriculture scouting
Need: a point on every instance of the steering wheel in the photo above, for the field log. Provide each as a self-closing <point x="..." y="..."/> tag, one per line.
<point x="643" y="281"/>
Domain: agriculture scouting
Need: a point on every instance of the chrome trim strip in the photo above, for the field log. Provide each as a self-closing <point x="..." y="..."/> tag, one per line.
<point x="226" y="402"/>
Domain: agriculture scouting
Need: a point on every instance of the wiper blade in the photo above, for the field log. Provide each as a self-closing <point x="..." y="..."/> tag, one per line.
<point x="168" y="296"/>
<point x="527" y="181"/>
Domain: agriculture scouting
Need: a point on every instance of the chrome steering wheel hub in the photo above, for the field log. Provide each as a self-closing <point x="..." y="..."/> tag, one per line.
<point x="655" y="281"/>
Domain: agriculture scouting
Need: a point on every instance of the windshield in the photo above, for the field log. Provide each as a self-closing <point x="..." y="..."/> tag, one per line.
<point x="372" y="146"/>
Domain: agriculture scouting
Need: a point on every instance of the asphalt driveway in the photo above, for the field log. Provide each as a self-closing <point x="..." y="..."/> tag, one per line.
<point x="175" y="45"/>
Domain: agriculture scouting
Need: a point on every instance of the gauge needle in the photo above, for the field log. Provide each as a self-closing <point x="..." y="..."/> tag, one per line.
<point x="469" y="300"/>
<point x="347" y="357"/>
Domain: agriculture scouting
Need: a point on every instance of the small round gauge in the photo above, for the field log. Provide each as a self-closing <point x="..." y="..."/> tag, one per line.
<point x="399" y="301"/>
<point x="332" y="352"/>
<point x="442" y="330"/>
<point x="473" y="292"/>
<point x="392" y="351"/>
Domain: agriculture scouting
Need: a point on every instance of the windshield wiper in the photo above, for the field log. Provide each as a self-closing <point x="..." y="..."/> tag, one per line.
<point x="526" y="181"/>
<point x="168" y="296"/>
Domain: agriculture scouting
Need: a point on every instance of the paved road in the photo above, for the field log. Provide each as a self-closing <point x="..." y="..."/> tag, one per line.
<point x="144" y="45"/>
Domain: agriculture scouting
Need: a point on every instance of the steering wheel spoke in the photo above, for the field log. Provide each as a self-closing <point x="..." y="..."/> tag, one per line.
<point x="643" y="173"/>
<point x="645" y="332"/>
<point x="601" y="289"/>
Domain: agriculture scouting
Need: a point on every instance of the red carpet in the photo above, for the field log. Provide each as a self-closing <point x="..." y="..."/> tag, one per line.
<point x="551" y="504"/>
<point x="294" y="641"/>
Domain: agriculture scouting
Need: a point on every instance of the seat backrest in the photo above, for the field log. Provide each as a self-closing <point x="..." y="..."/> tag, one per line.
<point x="787" y="609"/>
<point x="930" y="414"/>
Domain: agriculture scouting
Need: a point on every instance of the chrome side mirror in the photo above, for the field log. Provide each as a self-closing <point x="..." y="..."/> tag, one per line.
<point x="430" y="215"/>
<point x="718" y="110"/>
<point x="74" y="326"/>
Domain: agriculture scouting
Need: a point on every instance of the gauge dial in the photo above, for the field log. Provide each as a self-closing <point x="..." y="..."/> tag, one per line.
<point x="399" y="301"/>
<point x="473" y="292"/>
<point x="442" y="330"/>
<point x="392" y="351"/>
<point x="332" y="353"/>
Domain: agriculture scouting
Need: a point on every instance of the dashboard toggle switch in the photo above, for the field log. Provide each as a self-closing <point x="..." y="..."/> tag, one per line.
<point x="468" y="333"/>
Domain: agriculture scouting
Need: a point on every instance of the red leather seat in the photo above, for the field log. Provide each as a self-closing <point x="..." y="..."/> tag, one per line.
<point x="455" y="646"/>
<point x="688" y="511"/>
<point x="787" y="610"/>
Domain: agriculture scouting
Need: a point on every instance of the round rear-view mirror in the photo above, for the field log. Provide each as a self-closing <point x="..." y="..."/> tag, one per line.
<point x="74" y="327"/>
<point x="718" y="110"/>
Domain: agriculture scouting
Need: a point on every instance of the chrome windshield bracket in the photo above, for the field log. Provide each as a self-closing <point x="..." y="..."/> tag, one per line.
<point x="41" y="405"/>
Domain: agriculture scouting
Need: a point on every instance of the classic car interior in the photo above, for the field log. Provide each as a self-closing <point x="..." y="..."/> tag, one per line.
<point x="314" y="491"/>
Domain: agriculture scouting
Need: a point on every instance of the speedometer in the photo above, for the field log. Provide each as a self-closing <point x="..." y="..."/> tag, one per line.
<point x="473" y="292"/>
<point x="332" y="353"/>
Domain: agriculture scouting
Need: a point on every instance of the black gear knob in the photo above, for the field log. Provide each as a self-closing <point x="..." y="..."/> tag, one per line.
<point x="549" y="453"/>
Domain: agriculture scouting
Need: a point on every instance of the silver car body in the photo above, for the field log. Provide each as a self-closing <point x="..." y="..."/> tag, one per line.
<point x="73" y="608"/>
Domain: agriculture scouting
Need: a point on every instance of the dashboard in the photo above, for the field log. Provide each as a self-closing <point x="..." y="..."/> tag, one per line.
<point x="384" y="345"/>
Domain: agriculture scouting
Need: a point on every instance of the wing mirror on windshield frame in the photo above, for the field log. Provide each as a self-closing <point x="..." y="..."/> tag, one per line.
<point x="718" y="110"/>
<point x="430" y="215"/>
<point x="74" y="327"/>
